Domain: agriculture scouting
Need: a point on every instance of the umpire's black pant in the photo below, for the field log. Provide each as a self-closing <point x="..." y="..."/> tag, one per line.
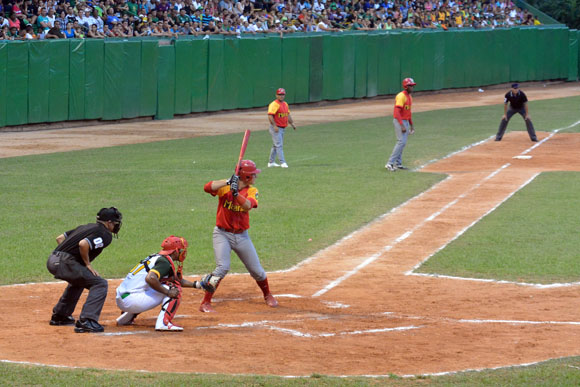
<point x="503" y="124"/>
<point x="66" y="267"/>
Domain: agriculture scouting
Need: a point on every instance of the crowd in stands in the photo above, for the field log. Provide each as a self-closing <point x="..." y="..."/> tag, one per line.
<point x="57" y="19"/>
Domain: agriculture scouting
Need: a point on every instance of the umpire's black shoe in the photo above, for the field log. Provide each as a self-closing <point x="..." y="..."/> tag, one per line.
<point x="497" y="139"/>
<point x="57" y="319"/>
<point x="88" y="326"/>
<point x="534" y="139"/>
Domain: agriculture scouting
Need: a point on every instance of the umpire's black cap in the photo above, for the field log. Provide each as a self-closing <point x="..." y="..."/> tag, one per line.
<point x="111" y="213"/>
<point x="515" y="85"/>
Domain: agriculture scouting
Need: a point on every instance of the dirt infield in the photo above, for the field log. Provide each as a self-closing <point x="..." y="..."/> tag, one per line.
<point x="362" y="312"/>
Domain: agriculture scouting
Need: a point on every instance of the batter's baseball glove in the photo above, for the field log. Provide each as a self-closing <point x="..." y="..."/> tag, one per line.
<point x="209" y="282"/>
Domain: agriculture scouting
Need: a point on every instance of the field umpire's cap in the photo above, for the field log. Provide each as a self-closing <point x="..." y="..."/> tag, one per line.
<point x="515" y="85"/>
<point x="111" y="213"/>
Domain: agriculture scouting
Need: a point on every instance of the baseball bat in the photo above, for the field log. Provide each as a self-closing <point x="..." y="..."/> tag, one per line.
<point x="243" y="150"/>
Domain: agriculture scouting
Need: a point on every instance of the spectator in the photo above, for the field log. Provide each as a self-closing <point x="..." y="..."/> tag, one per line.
<point x="69" y="32"/>
<point x="14" y="21"/>
<point x="55" y="32"/>
<point x="94" y="32"/>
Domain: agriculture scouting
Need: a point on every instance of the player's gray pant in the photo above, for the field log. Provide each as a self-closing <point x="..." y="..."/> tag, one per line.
<point x="66" y="267"/>
<point x="503" y="124"/>
<point x="224" y="242"/>
<point x="277" y="144"/>
<point x="397" y="155"/>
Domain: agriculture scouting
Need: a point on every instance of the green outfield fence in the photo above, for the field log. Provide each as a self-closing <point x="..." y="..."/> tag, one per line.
<point x="65" y="80"/>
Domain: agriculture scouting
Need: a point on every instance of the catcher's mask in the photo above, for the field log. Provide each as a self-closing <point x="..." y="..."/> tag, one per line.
<point x="113" y="215"/>
<point x="174" y="243"/>
<point x="248" y="169"/>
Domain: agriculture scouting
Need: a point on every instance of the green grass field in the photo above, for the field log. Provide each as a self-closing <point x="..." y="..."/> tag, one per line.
<point x="336" y="183"/>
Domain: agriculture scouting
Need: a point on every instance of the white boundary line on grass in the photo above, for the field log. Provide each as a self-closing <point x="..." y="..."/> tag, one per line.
<point x="406" y="234"/>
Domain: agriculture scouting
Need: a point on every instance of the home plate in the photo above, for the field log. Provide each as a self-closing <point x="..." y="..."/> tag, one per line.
<point x="522" y="157"/>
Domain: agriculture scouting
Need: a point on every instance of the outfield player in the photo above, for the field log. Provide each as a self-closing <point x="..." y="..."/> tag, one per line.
<point x="279" y="117"/>
<point x="403" y="124"/>
<point x="518" y="103"/>
<point x="237" y="197"/>
<point x="156" y="281"/>
<point x="71" y="261"/>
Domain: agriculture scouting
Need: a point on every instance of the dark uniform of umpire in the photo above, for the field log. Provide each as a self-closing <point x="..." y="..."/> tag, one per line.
<point x="71" y="261"/>
<point x="518" y="103"/>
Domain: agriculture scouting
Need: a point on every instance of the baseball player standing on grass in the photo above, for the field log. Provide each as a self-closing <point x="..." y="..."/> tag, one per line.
<point x="156" y="281"/>
<point x="237" y="196"/>
<point x="518" y="103"/>
<point x="71" y="261"/>
<point x="403" y="124"/>
<point x="279" y="117"/>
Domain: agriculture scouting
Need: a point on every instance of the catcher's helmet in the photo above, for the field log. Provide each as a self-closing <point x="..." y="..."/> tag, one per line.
<point x="408" y="82"/>
<point x="173" y="243"/>
<point x="281" y="91"/>
<point x="111" y="214"/>
<point x="247" y="169"/>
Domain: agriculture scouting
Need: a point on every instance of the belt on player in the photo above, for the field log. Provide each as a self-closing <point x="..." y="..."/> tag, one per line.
<point x="233" y="231"/>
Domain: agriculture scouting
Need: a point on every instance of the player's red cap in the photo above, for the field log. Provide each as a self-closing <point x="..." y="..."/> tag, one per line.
<point x="281" y="91"/>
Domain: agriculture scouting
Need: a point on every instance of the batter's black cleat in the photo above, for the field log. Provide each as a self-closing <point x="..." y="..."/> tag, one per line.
<point x="88" y="326"/>
<point x="57" y="319"/>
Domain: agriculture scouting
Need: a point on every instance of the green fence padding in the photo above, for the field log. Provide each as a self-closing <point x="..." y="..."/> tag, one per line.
<point x="199" y="76"/>
<point x="59" y="81"/>
<point x="518" y="71"/>
<point x="315" y="84"/>
<point x="3" y="95"/>
<point x="131" y="83"/>
<point x="561" y="37"/>
<point x="573" y="56"/>
<point x="332" y="65"/>
<point x="77" y="80"/>
<point x="166" y="83"/>
<point x="94" y="78"/>
<point x="114" y="71"/>
<point x="148" y="95"/>
<point x="183" y="75"/>
<point x="38" y="71"/>
<point x="349" y="66"/>
<point x="17" y="83"/>
<point x="578" y="35"/>
<point x="529" y="55"/>
<point x="216" y="82"/>
<point x="372" y="86"/>
<point x="296" y="68"/>
<point x="270" y="74"/>
<point x="252" y="71"/>
<point x="361" y="55"/>
<point x="234" y="73"/>
<point x="500" y="47"/>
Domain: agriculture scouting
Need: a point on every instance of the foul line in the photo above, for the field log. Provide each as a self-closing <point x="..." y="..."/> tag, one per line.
<point x="405" y="235"/>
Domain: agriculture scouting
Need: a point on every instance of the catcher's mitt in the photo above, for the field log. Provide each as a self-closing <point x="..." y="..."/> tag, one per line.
<point x="209" y="282"/>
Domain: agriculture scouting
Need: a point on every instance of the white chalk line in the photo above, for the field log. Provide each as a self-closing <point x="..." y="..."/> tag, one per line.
<point x="406" y="234"/>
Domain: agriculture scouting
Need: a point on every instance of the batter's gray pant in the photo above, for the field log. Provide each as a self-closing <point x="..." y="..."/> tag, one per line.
<point x="277" y="144"/>
<point x="224" y="242"/>
<point x="66" y="267"/>
<point x="503" y="124"/>
<point x="397" y="155"/>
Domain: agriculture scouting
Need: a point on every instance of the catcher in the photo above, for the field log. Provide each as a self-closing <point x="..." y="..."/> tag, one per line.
<point x="156" y="281"/>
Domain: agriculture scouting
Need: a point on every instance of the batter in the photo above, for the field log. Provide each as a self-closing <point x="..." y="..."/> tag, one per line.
<point x="237" y="196"/>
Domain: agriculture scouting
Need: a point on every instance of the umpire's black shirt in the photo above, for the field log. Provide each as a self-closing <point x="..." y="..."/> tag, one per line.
<point x="517" y="100"/>
<point x="96" y="234"/>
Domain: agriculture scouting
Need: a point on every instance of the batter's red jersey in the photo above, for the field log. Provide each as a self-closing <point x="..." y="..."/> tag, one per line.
<point x="280" y="111"/>
<point x="230" y="215"/>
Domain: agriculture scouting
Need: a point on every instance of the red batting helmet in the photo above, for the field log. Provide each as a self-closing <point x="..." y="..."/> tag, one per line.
<point x="173" y="243"/>
<point x="281" y="91"/>
<point x="247" y="169"/>
<point x="408" y="82"/>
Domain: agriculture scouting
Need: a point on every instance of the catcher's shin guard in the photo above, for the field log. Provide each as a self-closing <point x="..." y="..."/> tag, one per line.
<point x="168" y="310"/>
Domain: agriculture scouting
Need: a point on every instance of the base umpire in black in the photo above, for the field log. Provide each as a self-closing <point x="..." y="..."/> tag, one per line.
<point x="518" y="103"/>
<point x="71" y="261"/>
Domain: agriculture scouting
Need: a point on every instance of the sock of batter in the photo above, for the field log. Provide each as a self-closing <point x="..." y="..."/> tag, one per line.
<point x="264" y="286"/>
